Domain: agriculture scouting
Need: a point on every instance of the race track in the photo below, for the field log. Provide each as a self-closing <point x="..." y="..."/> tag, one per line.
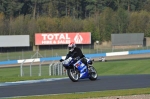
<point x="67" y="86"/>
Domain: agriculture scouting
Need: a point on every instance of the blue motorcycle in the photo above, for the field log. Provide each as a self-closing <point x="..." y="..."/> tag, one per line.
<point x="76" y="69"/>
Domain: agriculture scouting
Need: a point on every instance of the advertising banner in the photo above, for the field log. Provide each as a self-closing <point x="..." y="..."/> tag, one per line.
<point x="62" y="38"/>
<point x="127" y="39"/>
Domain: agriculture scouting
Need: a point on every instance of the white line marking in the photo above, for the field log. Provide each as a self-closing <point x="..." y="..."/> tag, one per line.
<point x="30" y="81"/>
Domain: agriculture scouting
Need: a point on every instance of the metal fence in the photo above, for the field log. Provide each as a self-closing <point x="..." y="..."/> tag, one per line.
<point x="51" y="69"/>
<point x="61" y="51"/>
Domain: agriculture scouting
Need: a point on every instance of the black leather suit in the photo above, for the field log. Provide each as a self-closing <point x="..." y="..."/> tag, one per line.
<point x="77" y="53"/>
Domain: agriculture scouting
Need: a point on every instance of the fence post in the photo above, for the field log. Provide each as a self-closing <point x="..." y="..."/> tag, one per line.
<point x="60" y="69"/>
<point x="21" y="71"/>
<point x="54" y="68"/>
<point x="50" y="65"/>
<point x="31" y="67"/>
<point x="40" y="67"/>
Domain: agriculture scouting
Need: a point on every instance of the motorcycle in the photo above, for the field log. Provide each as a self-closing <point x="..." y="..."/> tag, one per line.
<point x="76" y="69"/>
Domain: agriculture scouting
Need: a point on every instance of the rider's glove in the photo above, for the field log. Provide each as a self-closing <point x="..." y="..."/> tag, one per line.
<point x="61" y="60"/>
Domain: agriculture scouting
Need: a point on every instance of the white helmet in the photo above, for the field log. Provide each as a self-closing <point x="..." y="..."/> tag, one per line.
<point x="71" y="46"/>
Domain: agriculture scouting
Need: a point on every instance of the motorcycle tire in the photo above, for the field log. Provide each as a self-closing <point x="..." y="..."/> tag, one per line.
<point x="92" y="73"/>
<point x="73" y="74"/>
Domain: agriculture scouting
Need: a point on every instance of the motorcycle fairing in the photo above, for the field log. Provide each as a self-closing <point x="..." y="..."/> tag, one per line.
<point x="82" y="69"/>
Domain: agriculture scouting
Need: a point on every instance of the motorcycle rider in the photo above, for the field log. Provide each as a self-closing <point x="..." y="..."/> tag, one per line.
<point x="76" y="53"/>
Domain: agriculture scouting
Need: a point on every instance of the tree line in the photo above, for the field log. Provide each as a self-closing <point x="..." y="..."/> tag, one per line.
<point x="100" y="17"/>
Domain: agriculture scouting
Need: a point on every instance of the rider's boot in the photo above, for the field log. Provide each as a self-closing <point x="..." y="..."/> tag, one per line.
<point x="88" y="67"/>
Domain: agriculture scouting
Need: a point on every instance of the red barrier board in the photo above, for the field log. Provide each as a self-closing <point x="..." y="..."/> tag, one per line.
<point x="62" y="38"/>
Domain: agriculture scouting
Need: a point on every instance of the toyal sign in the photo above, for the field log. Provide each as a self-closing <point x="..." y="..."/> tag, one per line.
<point x="62" y="38"/>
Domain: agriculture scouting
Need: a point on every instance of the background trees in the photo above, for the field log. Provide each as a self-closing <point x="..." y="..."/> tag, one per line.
<point x="100" y="17"/>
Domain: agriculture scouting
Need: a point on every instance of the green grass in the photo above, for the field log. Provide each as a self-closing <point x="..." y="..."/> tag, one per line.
<point x="103" y="68"/>
<point x="13" y="73"/>
<point x="123" y="67"/>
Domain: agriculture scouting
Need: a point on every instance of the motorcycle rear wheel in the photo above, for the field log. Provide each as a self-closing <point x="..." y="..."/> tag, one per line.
<point x="73" y="74"/>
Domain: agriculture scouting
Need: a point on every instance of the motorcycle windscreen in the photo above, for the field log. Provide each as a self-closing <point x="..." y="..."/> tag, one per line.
<point x="67" y="61"/>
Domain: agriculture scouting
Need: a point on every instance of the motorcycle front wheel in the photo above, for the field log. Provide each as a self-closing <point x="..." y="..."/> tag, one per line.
<point x="92" y="73"/>
<point x="73" y="74"/>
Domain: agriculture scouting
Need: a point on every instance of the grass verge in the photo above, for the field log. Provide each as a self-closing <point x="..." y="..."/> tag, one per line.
<point x="126" y="67"/>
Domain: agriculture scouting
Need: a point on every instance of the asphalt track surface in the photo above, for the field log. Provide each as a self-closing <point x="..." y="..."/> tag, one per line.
<point x="62" y="86"/>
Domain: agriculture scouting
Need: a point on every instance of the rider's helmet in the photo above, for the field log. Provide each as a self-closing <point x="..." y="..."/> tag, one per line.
<point x="71" y="46"/>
